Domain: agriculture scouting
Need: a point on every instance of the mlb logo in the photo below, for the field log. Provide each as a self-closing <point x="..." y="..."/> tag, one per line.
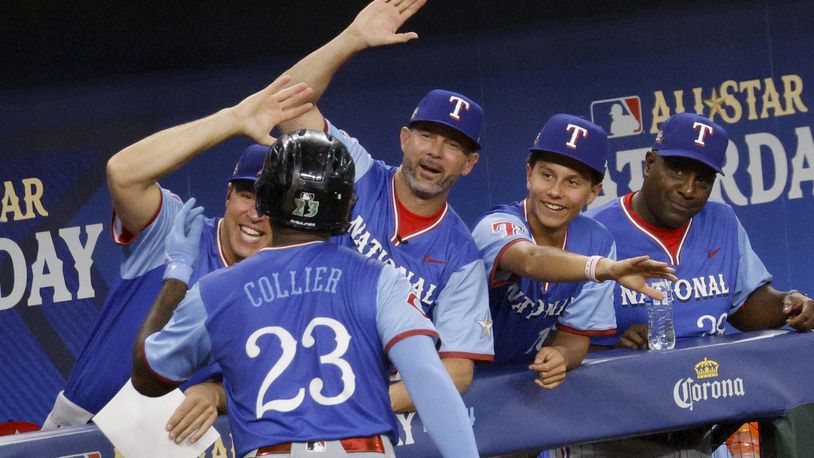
<point x="84" y="455"/>
<point x="620" y="117"/>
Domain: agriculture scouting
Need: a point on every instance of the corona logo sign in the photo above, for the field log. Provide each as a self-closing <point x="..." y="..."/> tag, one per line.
<point x="706" y="386"/>
<point x="706" y="369"/>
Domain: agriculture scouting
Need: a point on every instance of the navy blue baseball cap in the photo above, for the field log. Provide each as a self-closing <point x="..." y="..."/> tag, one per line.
<point x="451" y="109"/>
<point x="574" y="137"/>
<point x="693" y="136"/>
<point x="250" y="163"/>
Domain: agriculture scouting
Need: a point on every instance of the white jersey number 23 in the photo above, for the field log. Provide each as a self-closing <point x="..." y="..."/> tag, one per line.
<point x="289" y="346"/>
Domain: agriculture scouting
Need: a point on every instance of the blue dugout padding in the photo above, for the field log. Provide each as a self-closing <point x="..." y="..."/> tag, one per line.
<point x="615" y="393"/>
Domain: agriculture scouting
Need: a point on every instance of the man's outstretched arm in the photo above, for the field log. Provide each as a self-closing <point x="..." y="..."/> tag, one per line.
<point x="132" y="173"/>
<point x="376" y="25"/>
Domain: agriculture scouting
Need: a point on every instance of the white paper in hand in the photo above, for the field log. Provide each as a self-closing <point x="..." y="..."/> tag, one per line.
<point x="135" y="424"/>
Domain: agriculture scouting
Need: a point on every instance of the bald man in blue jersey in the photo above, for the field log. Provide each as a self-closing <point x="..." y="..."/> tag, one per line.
<point x="402" y="217"/>
<point x="302" y="328"/>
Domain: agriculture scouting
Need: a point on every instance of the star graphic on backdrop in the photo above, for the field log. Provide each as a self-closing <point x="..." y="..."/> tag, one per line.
<point x="486" y="324"/>
<point x="715" y="104"/>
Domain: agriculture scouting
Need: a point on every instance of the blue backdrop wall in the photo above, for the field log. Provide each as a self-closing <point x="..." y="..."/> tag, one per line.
<point x="748" y="68"/>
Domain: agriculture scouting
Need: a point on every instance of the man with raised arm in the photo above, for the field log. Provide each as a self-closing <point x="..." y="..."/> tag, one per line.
<point x="302" y="328"/>
<point x="402" y="217"/>
<point x="143" y="215"/>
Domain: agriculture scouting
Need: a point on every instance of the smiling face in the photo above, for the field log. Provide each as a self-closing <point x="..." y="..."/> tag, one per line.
<point x="434" y="157"/>
<point x="243" y="231"/>
<point x="674" y="189"/>
<point x="559" y="188"/>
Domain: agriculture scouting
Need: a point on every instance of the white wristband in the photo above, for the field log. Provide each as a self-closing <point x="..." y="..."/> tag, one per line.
<point x="590" y="268"/>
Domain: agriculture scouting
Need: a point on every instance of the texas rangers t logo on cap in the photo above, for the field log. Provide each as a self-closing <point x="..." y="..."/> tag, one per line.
<point x="452" y="110"/>
<point x="695" y="137"/>
<point x="576" y="132"/>
<point x="703" y="130"/>
<point x="574" y="137"/>
<point x="459" y="102"/>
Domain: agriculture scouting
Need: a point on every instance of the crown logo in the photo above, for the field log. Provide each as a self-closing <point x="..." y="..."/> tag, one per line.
<point x="706" y="368"/>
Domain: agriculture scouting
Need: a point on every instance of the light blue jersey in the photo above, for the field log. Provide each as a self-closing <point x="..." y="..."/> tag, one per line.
<point x="716" y="267"/>
<point x="440" y="261"/>
<point x="106" y="362"/>
<point x="527" y="310"/>
<point x="301" y="333"/>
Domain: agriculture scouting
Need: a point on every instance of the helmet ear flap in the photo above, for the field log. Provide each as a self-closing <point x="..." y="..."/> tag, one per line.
<point x="265" y="184"/>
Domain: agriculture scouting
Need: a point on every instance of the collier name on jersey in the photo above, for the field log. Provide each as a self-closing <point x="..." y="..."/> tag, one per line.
<point x="308" y="280"/>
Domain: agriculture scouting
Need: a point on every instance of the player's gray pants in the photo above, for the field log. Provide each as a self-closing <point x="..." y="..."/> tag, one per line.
<point x="333" y="449"/>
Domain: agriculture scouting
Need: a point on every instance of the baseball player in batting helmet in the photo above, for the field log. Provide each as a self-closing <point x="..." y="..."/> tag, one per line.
<point x="302" y="328"/>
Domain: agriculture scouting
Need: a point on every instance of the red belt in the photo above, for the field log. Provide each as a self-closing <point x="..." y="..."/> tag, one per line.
<point x="351" y="445"/>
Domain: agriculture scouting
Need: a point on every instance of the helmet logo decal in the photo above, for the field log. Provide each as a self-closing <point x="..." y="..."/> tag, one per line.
<point x="306" y="199"/>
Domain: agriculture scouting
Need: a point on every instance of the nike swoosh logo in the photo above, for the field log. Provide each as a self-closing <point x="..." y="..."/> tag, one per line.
<point x="433" y="261"/>
<point x="712" y="253"/>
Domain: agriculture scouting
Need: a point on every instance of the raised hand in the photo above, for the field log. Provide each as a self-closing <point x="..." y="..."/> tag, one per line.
<point x="259" y="113"/>
<point x="183" y="240"/>
<point x="378" y="23"/>
<point x="633" y="273"/>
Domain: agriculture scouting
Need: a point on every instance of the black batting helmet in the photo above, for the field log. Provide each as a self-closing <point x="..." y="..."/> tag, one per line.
<point x="307" y="183"/>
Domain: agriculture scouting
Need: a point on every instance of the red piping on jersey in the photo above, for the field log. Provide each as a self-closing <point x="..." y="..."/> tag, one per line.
<point x="580" y="332"/>
<point x="423" y="224"/>
<point x="155" y="374"/>
<point x="564" y="240"/>
<point x="406" y="334"/>
<point x="512" y="277"/>
<point x="670" y="240"/>
<point x="465" y="355"/>
<point x="220" y="248"/>
<point x="124" y="236"/>
<point x="296" y="245"/>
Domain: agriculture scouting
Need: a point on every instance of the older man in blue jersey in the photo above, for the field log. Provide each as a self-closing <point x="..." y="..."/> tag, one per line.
<point x="720" y="277"/>
<point x="302" y="328"/>
<point x="143" y="215"/>
<point x="402" y="217"/>
<point x="546" y="302"/>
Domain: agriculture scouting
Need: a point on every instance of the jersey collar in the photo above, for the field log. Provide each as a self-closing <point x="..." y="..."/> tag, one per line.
<point x="680" y="234"/>
<point x="220" y="247"/>
<point x="397" y="238"/>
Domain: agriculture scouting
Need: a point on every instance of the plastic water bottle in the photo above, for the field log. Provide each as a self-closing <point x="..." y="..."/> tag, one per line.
<point x="661" y="333"/>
